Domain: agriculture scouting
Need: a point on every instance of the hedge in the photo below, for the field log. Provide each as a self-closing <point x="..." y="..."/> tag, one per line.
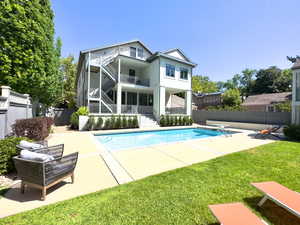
<point x="292" y="132"/>
<point x="112" y="122"/>
<point x="7" y="151"/>
<point x="170" y="120"/>
<point x="37" y="128"/>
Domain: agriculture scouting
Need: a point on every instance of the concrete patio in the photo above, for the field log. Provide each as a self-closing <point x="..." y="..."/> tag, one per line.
<point x="94" y="172"/>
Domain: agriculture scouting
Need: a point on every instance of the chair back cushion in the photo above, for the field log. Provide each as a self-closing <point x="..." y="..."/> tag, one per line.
<point x="29" y="155"/>
<point x="30" y="145"/>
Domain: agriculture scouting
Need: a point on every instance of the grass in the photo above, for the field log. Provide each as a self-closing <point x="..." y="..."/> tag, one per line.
<point x="181" y="196"/>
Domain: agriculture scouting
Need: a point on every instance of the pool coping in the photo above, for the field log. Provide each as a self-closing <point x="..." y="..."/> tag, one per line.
<point x="120" y="174"/>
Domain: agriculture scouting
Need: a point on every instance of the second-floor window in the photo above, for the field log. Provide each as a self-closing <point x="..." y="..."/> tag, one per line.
<point x="140" y="53"/>
<point x="170" y="70"/>
<point x="183" y="73"/>
<point x="133" y="52"/>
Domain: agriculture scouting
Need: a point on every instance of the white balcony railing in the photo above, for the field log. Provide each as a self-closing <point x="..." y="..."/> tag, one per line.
<point x="175" y="110"/>
<point x="134" y="80"/>
<point x="134" y="109"/>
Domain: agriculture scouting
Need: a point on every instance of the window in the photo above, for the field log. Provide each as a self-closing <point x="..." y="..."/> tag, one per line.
<point x="131" y="72"/>
<point x="143" y="99"/>
<point x="131" y="98"/>
<point x="170" y="70"/>
<point x="133" y="52"/>
<point x="140" y="53"/>
<point x="183" y="73"/>
<point x="297" y="82"/>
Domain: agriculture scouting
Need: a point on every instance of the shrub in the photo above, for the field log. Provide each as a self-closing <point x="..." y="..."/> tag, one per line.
<point x="171" y="120"/>
<point x="99" y="123"/>
<point x="180" y="121"/>
<point x="162" y="121"/>
<point x="175" y="121"/>
<point x="90" y="124"/>
<point x="191" y="121"/>
<point x="167" y="120"/>
<point x="129" y="122"/>
<point x="124" y="122"/>
<point x="292" y="132"/>
<point x="113" y="121"/>
<point x="135" y="122"/>
<point x="7" y="151"/>
<point x="49" y="121"/>
<point x="34" y="128"/>
<point x="107" y="124"/>
<point x="74" y="120"/>
<point x="184" y="121"/>
<point x="118" y="122"/>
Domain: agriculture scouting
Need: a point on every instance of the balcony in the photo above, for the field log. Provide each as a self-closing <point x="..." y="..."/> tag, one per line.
<point x="134" y="109"/>
<point x="126" y="79"/>
<point x="175" y="110"/>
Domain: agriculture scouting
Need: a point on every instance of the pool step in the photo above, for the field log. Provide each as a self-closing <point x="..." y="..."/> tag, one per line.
<point x="148" y="121"/>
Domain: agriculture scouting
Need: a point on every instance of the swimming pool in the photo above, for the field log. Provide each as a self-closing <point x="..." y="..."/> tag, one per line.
<point x="122" y="141"/>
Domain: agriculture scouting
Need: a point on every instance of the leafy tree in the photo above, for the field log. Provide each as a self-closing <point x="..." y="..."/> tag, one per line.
<point x="203" y="84"/>
<point x="29" y="56"/>
<point x="272" y="80"/>
<point x="232" y="97"/>
<point x="68" y="71"/>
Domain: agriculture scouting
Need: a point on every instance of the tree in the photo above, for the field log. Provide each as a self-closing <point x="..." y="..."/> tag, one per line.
<point x="272" y="80"/>
<point x="203" y="84"/>
<point x="68" y="70"/>
<point x="247" y="81"/>
<point x="29" y="56"/>
<point x="232" y="97"/>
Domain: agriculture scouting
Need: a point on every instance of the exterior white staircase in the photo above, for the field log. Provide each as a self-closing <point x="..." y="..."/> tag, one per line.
<point x="148" y="121"/>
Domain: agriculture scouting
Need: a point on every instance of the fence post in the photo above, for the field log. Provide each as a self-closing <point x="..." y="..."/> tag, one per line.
<point x="5" y="92"/>
<point x="27" y="104"/>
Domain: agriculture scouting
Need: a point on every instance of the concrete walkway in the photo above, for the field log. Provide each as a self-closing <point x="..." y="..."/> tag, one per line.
<point x="93" y="173"/>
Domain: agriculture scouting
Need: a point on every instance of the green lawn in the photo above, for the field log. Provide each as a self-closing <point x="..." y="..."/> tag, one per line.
<point x="181" y="196"/>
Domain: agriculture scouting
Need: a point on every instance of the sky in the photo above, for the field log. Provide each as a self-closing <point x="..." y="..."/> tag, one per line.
<point x="222" y="36"/>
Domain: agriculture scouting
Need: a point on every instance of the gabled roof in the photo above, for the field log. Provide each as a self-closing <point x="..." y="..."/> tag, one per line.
<point x="296" y="64"/>
<point x="115" y="45"/>
<point x="161" y="54"/>
<point x="180" y="52"/>
<point x="267" y="99"/>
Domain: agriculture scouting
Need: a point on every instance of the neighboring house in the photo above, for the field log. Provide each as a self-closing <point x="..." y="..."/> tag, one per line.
<point x="128" y="78"/>
<point x="202" y="100"/>
<point x="296" y="93"/>
<point x="265" y="102"/>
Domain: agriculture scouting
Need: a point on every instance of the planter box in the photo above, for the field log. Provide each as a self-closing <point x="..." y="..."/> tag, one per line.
<point x="82" y="122"/>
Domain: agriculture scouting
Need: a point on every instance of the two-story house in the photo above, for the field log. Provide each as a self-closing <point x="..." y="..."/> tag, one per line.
<point x="128" y="78"/>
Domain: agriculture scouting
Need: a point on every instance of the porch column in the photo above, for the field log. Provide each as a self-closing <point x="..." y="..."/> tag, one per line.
<point x="188" y="102"/>
<point x="162" y="100"/>
<point x="100" y="86"/>
<point x="119" y="98"/>
<point x="89" y="81"/>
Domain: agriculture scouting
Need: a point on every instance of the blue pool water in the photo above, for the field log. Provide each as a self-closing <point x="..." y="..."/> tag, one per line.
<point x="120" y="141"/>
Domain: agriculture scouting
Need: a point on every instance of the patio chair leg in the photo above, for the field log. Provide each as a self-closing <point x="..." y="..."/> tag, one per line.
<point x="43" y="194"/>
<point x="22" y="187"/>
<point x="262" y="201"/>
<point x="72" y="178"/>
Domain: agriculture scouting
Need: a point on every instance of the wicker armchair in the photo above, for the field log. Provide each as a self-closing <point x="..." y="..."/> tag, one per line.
<point x="43" y="175"/>
<point x="44" y="143"/>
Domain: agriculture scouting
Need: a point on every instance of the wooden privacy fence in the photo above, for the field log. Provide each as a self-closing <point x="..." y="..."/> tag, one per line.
<point x="282" y="118"/>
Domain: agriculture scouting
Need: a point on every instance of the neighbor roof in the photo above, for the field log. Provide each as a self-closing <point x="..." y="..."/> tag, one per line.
<point x="180" y="52"/>
<point x="267" y="99"/>
<point x="296" y="65"/>
<point x="118" y="44"/>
